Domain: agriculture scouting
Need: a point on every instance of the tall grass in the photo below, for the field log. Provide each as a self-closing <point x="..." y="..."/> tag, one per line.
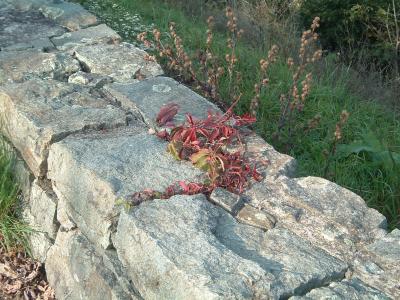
<point x="13" y="232"/>
<point x="331" y="93"/>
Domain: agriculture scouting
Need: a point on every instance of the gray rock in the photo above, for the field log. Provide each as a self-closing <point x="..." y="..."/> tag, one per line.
<point x="270" y="162"/>
<point x="119" y="61"/>
<point x="76" y="272"/>
<point x="89" y="79"/>
<point x="353" y="289"/>
<point x="65" y="220"/>
<point x="337" y="202"/>
<point x="256" y="217"/>
<point x="4" y="4"/>
<point x="26" y="30"/>
<point x="37" y="113"/>
<point x="39" y="213"/>
<point x="26" y="5"/>
<point x="329" y="216"/>
<point x="227" y="200"/>
<point x="148" y="96"/>
<point x="40" y="244"/>
<point x="42" y="207"/>
<point x="91" y="172"/>
<point x="17" y="66"/>
<point x="69" y="15"/>
<point x="186" y="248"/>
<point x="388" y="247"/>
<point x="88" y="36"/>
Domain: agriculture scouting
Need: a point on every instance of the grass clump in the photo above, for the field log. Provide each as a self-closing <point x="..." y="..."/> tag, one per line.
<point x="312" y="137"/>
<point x="13" y="232"/>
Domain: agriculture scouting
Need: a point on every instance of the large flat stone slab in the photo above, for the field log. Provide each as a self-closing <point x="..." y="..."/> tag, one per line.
<point x="120" y="61"/>
<point x="91" y="172"/>
<point x="88" y="36"/>
<point x="148" y="96"/>
<point x="187" y="248"/>
<point x="69" y="15"/>
<point x="17" y="66"/>
<point x="337" y="221"/>
<point x="26" y="30"/>
<point x="320" y="211"/>
<point x="76" y="271"/>
<point x="37" y="113"/>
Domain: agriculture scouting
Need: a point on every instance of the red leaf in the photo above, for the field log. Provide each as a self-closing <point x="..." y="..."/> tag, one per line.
<point x="167" y="113"/>
<point x="163" y="135"/>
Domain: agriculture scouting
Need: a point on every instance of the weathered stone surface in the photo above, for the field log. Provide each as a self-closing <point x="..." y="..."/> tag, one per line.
<point x="91" y="172"/>
<point x="120" y="61"/>
<point x="4" y="4"/>
<point x="40" y="214"/>
<point x="148" y="96"/>
<point x="339" y="203"/>
<point x="186" y="248"/>
<point x="76" y="272"/>
<point x="227" y="200"/>
<point x="270" y="161"/>
<point x="289" y="236"/>
<point x="353" y="289"/>
<point x="37" y="113"/>
<point x="65" y="220"/>
<point x="89" y="79"/>
<point x="88" y="36"/>
<point x="331" y="217"/>
<point x="25" y="5"/>
<point x="26" y="30"/>
<point x="387" y="248"/>
<point x="42" y="207"/>
<point x="69" y="15"/>
<point x="378" y="264"/>
<point x="40" y="244"/>
<point x="256" y="217"/>
<point x="17" y="66"/>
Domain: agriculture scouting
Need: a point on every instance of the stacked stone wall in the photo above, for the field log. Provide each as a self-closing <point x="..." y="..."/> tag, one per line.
<point x="78" y="119"/>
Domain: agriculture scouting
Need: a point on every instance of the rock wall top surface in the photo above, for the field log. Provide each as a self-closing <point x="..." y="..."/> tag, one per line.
<point x="73" y="107"/>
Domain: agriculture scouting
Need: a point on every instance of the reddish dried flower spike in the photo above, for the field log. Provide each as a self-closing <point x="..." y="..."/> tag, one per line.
<point x="244" y="120"/>
<point x="167" y="113"/>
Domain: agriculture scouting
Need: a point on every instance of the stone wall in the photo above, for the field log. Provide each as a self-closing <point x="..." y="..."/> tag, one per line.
<point x="79" y="120"/>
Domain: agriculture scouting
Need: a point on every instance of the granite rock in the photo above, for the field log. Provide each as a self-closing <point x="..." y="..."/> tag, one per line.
<point x="69" y="15"/>
<point x="88" y="36"/>
<point x="17" y="66"/>
<point x="37" y="113"/>
<point x="353" y="289"/>
<point x="42" y="207"/>
<point x="76" y="271"/>
<point x="118" y="61"/>
<point x="26" y="30"/>
<point x="89" y="79"/>
<point x="91" y="172"/>
<point x="187" y="248"/>
<point x="148" y="96"/>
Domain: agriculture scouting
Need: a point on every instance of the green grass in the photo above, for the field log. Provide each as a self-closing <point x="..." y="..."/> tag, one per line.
<point x="13" y="232"/>
<point x="379" y="186"/>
